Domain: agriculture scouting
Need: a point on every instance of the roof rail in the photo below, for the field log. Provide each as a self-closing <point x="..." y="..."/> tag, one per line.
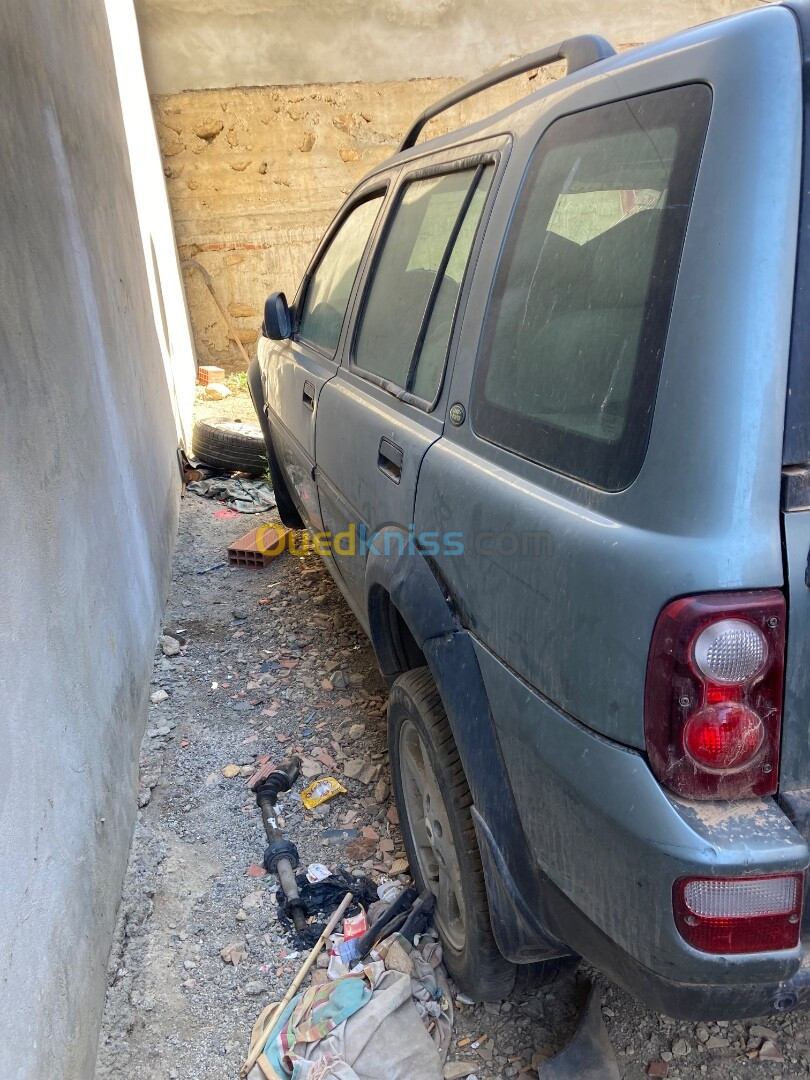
<point x="580" y="51"/>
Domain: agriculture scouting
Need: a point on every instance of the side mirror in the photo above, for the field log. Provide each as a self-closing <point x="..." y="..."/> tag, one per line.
<point x="277" y="320"/>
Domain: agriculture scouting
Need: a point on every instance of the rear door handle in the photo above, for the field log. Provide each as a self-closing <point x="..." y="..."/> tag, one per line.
<point x="308" y="395"/>
<point x="389" y="460"/>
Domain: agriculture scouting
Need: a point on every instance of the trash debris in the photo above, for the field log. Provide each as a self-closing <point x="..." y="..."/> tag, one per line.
<point x="388" y="891"/>
<point x="317" y="872"/>
<point x="263" y="1029"/>
<point x="208" y="569"/>
<point x="340" y="836"/>
<point x="247" y="496"/>
<point x="589" y="1053"/>
<point x="216" y="391"/>
<point x="322" y="897"/>
<point x="368" y="1026"/>
<point x="258" y="547"/>
<point x="321" y="791"/>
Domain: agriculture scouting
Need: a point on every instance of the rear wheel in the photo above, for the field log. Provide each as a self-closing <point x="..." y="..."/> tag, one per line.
<point x="434" y="806"/>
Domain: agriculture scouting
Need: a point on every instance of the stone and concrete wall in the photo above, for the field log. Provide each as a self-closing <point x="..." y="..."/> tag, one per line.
<point x="89" y="488"/>
<point x="201" y="44"/>
<point x="282" y="108"/>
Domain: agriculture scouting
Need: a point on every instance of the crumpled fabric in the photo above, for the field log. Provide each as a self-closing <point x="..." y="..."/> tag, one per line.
<point x="430" y="990"/>
<point x="239" y="493"/>
<point x="384" y="1036"/>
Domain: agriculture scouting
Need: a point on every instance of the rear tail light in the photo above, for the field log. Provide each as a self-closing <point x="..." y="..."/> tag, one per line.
<point x="713" y="701"/>
<point x="739" y="915"/>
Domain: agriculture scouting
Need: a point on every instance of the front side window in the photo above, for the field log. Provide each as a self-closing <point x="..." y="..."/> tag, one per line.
<point x="577" y="321"/>
<point x="330" y="285"/>
<point x="408" y="316"/>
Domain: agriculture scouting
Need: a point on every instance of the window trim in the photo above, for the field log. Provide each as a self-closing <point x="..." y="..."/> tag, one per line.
<point x="600" y="479"/>
<point x="356" y="199"/>
<point x="470" y="162"/>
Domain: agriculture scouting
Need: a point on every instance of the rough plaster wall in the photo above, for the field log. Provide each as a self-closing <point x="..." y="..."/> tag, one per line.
<point x="256" y="175"/>
<point x="195" y="44"/>
<point x="88" y="490"/>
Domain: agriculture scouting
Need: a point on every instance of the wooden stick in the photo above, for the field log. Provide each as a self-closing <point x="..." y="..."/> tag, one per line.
<point x="256" y="1052"/>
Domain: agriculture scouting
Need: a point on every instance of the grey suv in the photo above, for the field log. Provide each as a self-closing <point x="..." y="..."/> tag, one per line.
<point x="543" y="402"/>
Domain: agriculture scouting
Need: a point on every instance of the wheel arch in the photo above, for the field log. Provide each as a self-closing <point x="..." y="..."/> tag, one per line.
<point x="403" y="590"/>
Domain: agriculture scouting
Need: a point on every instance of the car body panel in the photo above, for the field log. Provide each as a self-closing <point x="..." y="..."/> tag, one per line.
<point x="575" y="619"/>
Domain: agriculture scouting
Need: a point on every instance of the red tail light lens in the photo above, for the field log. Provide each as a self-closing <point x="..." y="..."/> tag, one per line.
<point x="739" y="915"/>
<point x="723" y="736"/>
<point x="713" y="701"/>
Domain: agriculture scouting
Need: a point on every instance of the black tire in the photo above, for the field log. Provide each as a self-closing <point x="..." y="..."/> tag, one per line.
<point x="477" y="967"/>
<point x="230" y="445"/>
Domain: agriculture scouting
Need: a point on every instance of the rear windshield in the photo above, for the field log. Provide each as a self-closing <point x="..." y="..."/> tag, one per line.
<point x="577" y="321"/>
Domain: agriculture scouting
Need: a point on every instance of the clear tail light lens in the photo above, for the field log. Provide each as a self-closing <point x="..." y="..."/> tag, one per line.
<point x="713" y="700"/>
<point x="739" y="915"/>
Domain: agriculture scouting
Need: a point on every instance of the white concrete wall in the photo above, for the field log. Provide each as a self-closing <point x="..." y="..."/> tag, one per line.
<point x="154" y="217"/>
<point x="88" y="503"/>
<point x="196" y="44"/>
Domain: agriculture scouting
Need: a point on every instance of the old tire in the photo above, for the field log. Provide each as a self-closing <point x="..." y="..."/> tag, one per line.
<point x="230" y="445"/>
<point x="420" y="741"/>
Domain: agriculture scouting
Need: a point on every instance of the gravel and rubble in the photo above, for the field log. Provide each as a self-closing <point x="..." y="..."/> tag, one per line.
<point x="258" y="664"/>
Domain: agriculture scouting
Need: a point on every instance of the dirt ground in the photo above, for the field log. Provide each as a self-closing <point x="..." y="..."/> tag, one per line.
<point x="273" y="662"/>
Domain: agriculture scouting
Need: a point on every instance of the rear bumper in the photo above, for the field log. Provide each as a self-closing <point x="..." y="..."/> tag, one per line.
<point x="607" y="843"/>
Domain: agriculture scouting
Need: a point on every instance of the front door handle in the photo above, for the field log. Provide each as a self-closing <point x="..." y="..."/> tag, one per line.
<point x="308" y="395"/>
<point x="389" y="460"/>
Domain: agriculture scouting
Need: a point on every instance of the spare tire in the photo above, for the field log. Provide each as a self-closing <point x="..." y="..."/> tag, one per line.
<point x="230" y="445"/>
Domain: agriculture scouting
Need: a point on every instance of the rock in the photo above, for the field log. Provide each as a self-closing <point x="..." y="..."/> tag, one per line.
<point x="354" y="767"/>
<point x="240" y="613"/>
<point x="158" y="697"/>
<point x="393" y="815"/>
<point x="216" y="391"/>
<point x="716" y="1042"/>
<point x="458" y="1070"/>
<point x="159" y="732"/>
<point x="360" y="849"/>
<point x="382" y="791"/>
<point x="208" y="129"/>
<point x="230" y="771"/>
<point x="234" y="953"/>
<point x="680" y="1048"/>
<point x="368" y="774"/>
<point x="340" y="680"/>
<point x="357" y="730"/>
<point x="757" y="1031"/>
<point x="770" y="1052"/>
<point x="255" y="989"/>
<point x="189" y="965"/>
<point x="241" y="916"/>
<point x="658" y="1068"/>
<point x="169" y="645"/>
<point x="254" y="900"/>
<point x="702" y="1033"/>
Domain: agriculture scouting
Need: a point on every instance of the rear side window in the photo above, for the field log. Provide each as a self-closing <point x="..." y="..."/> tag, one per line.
<point x="577" y="320"/>
<point x="330" y="284"/>
<point x="410" y="308"/>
